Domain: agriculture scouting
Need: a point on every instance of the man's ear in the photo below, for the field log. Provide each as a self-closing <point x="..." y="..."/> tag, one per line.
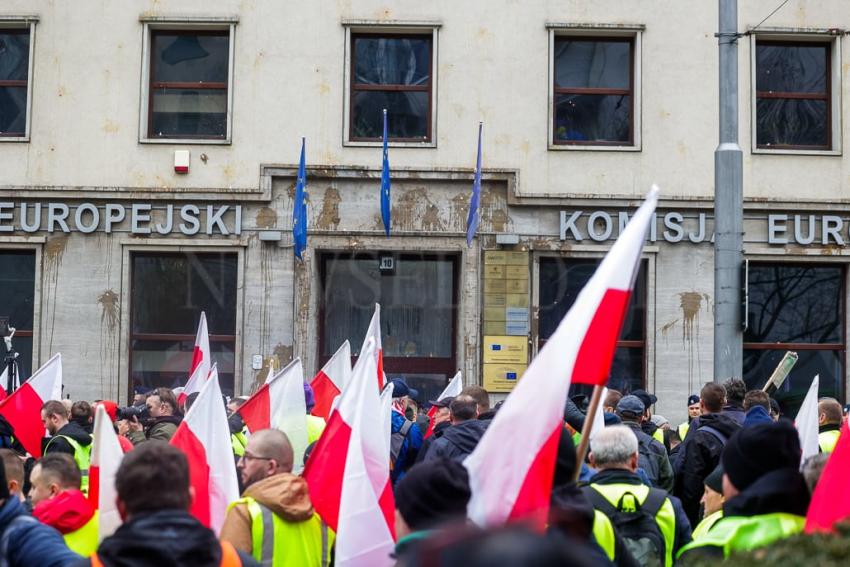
<point x="192" y="495"/>
<point x="54" y="489"/>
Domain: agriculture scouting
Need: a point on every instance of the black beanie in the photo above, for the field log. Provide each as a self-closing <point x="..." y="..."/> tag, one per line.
<point x="433" y="492"/>
<point x="759" y="449"/>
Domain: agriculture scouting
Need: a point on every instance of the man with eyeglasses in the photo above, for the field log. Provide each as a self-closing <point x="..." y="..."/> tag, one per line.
<point x="276" y="498"/>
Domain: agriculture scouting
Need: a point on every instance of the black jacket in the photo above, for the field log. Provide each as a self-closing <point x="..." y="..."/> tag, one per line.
<point x="652" y="458"/>
<point x="168" y="538"/>
<point x="617" y="476"/>
<point x="779" y="491"/>
<point x="737" y="413"/>
<point x="438" y="431"/>
<point x="71" y="430"/>
<point x="458" y="441"/>
<point x="572" y="513"/>
<point x="699" y="455"/>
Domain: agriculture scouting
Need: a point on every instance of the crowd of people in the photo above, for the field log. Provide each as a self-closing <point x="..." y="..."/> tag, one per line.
<point x="649" y="493"/>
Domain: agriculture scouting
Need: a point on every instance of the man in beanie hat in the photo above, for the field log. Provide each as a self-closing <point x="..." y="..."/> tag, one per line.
<point x="24" y="541"/>
<point x="653" y="456"/>
<point x="430" y="495"/>
<point x="700" y="452"/>
<point x="712" y="502"/>
<point x="766" y="497"/>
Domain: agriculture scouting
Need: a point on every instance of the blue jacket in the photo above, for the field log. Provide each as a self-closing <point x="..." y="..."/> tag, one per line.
<point x="28" y="542"/>
<point x="757" y="414"/>
<point x="409" y="447"/>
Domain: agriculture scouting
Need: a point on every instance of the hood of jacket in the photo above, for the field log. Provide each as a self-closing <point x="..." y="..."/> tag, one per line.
<point x="737" y="413"/>
<point x="75" y="432"/>
<point x="10" y="510"/>
<point x="829" y="427"/>
<point x="782" y="490"/>
<point x="757" y="414"/>
<point x="465" y="436"/>
<point x="284" y="494"/>
<point x="722" y="422"/>
<point x="68" y="511"/>
<point x="167" y="538"/>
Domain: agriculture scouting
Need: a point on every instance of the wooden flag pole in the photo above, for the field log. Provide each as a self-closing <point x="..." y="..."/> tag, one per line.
<point x="585" y="430"/>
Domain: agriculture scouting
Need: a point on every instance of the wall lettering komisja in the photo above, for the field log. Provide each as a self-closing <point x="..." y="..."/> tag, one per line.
<point x="600" y="226"/>
<point x="135" y="218"/>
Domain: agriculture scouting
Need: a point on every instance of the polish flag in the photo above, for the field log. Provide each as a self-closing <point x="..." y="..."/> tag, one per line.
<point x="374" y="332"/>
<point x="106" y="456"/>
<point x="511" y="469"/>
<point x="451" y="391"/>
<point x="280" y="403"/>
<point x="201" y="361"/>
<point x="4" y="384"/>
<point x="599" y="417"/>
<point x="205" y="438"/>
<point x="831" y="499"/>
<point x="807" y="423"/>
<point x="330" y="381"/>
<point x="23" y="408"/>
<point x="348" y="472"/>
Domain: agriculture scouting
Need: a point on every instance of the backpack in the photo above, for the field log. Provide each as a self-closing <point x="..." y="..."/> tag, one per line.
<point x="634" y="522"/>
<point x="648" y="458"/>
<point x="397" y="440"/>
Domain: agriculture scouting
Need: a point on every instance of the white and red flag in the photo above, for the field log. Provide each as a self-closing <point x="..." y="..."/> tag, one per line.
<point x="201" y="361"/>
<point x="4" y="384"/>
<point x="511" y="469"/>
<point x="106" y="457"/>
<point x="280" y="403"/>
<point x="831" y="500"/>
<point x="599" y="417"/>
<point x="23" y="408"/>
<point x="374" y="332"/>
<point x="348" y="472"/>
<point x="205" y="438"/>
<point x="330" y="381"/>
<point x="807" y="423"/>
<point x="453" y="390"/>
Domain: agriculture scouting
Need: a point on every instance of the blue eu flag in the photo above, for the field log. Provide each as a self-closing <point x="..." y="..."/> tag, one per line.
<point x="472" y="219"/>
<point x="385" y="183"/>
<point x="299" y="208"/>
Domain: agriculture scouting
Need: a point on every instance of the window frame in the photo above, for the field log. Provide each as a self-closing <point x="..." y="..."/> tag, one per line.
<point x="632" y="33"/>
<point x="840" y="348"/>
<point x="833" y="96"/>
<point x="27" y="245"/>
<point x="131" y="246"/>
<point x="22" y="23"/>
<point x="188" y="26"/>
<point x="645" y="344"/>
<point x="395" y="364"/>
<point x="422" y="30"/>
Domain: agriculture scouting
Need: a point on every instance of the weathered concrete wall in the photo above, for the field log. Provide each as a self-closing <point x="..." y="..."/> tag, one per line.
<point x="493" y="66"/>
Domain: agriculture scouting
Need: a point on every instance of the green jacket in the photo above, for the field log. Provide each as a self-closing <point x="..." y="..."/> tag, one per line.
<point x="163" y="429"/>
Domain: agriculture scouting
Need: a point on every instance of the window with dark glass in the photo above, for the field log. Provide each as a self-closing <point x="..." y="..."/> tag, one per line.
<point x="797" y="307"/>
<point x="593" y="91"/>
<point x="418" y="300"/>
<point x="188" y="84"/>
<point x="793" y="107"/>
<point x="391" y="72"/>
<point x="14" y="81"/>
<point x="17" y="290"/>
<point x="168" y="294"/>
<point x="561" y="280"/>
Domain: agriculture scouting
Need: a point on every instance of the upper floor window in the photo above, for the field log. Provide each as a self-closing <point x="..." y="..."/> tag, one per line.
<point x="793" y="95"/>
<point x="392" y="71"/>
<point x="594" y="91"/>
<point x="15" y="64"/>
<point x="189" y="84"/>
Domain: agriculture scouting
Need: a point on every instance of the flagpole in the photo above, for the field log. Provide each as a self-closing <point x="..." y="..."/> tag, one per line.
<point x="585" y="430"/>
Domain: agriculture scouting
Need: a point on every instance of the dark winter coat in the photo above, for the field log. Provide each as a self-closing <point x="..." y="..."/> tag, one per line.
<point x="699" y="455"/>
<point x="438" y="431"/>
<point x="737" y="413"/>
<point x="458" y="441"/>
<point x="71" y="430"/>
<point x="160" y="429"/>
<point x="168" y="538"/>
<point x="652" y="458"/>
<point x="29" y="542"/>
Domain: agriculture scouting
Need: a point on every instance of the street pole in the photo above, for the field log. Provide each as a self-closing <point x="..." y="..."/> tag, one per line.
<point x="728" y="206"/>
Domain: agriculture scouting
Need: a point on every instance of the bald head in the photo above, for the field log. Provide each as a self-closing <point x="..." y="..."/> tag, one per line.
<point x="273" y="445"/>
<point x="829" y="411"/>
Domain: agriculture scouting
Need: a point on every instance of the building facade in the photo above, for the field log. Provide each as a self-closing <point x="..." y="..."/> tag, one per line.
<point x="148" y="157"/>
